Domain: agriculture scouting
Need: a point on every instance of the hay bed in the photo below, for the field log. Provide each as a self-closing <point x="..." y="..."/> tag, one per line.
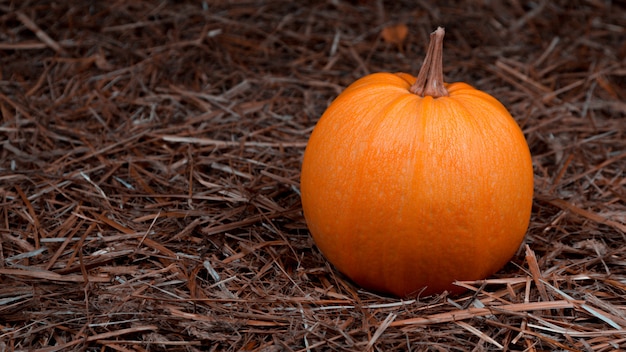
<point x="150" y="156"/>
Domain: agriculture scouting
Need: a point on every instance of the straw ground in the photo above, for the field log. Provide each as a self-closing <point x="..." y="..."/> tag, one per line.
<point x="149" y="174"/>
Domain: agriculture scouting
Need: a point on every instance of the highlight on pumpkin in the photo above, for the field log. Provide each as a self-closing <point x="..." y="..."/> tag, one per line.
<point x="406" y="194"/>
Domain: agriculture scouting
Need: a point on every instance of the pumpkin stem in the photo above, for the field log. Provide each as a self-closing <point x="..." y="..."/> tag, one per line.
<point x="429" y="81"/>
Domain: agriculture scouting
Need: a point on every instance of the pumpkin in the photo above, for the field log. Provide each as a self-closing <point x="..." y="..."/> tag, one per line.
<point x="410" y="184"/>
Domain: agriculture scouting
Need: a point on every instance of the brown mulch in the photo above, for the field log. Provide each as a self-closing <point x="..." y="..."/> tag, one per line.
<point x="149" y="174"/>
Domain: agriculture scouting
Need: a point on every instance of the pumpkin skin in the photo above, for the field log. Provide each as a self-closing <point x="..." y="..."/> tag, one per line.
<point x="406" y="194"/>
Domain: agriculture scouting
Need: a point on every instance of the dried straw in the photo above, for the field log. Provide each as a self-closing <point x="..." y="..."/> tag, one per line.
<point x="149" y="174"/>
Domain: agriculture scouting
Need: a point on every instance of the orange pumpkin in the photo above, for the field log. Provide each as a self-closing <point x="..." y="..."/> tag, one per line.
<point x="410" y="184"/>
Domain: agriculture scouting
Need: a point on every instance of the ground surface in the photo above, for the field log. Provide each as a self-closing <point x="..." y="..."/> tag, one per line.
<point x="149" y="174"/>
